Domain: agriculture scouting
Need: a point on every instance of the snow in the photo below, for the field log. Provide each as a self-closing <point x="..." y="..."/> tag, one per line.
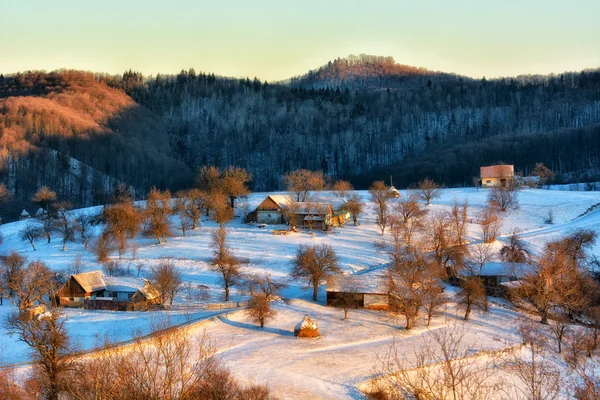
<point x="348" y="350"/>
<point x="306" y="323"/>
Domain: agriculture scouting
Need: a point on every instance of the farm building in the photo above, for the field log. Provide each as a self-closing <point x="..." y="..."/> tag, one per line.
<point x="497" y="175"/>
<point x="529" y="181"/>
<point x="311" y="214"/>
<point x="370" y="293"/>
<point x="93" y="288"/>
<point x="272" y="209"/>
<point x="495" y="275"/>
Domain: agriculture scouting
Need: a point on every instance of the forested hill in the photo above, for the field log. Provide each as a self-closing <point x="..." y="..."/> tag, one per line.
<point x="74" y="133"/>
<point x="352" y="118"/>
<point x="367" y="72"/>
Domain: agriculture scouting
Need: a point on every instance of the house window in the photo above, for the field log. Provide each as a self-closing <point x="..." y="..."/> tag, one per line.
<point x="488" y="181"/>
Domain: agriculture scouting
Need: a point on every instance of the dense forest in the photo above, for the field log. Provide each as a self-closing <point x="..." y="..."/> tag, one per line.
<point x="354" y="118"/>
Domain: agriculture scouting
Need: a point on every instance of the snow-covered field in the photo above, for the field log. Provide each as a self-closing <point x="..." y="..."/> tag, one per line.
<point x="347" y="351"/>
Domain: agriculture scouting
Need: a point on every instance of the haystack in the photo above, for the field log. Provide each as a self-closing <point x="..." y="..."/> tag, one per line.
<point x="306" y="328"/>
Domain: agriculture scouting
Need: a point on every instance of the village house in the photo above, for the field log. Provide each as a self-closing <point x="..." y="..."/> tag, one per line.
<point x="367" y="292"/>
<point x="497" y="176"/>
<point x="272" y="209"/>
<point x="312" y="215"/>
<point x="497" y="276"/>
<point x="97" y="291"/>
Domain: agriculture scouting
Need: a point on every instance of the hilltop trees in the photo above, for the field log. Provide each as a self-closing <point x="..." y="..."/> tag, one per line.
<point x="312" y="264"/>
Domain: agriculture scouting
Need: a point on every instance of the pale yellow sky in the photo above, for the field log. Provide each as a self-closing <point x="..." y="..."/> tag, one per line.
<point x="275" y="40"/>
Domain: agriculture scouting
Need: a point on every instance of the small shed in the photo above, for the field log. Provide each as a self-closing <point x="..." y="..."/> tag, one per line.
<point x="24" y="214"/>
<point x="369" y="292"/>
<point x="497" y="176"/>
<point x="495" y="275"/>
<point x="313" y="215"/>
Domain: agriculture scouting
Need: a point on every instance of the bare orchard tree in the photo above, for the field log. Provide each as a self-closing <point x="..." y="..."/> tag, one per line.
<point x="472" y="294"/>
<point x="53" y="353"/>
<point x="181" y="206"/>
<point x="442" y="368"/>
<point x="47" y="224"/>
<point x="458" y="222"/>
<point x="379" y="201"/>
<point x="259" y="309"/>
<point x="490" y="224"/>
<point x="221" y="210"/>
<point x="301" y="182"/>
<point x="24" y="284"/>
<point x="537" y="377"/>
<point x="355" y="207"/>
<point x="158" y="211"/>
<point x="559" y="327"/>
<point x="82" y="227"/>
<point x="480" y="254"/>
<point x="192" y="203"/>
<point x="410" y="217"/>
<point x="312" y="264"/>
<point x="516" y="251"/>
<point x="263" y="285"/>
<point x="546" y="175"/>
<point x="342" y="188"/>
<point x="30" y="233"/>
<point x="167" y="280"/>
<point x="123" y="220"/>
<point x="428" y="190"/>
<point x="503" y="198"/>
<point x="234" y="180"/>
<point x="64" y="224"/>
<point x="224" y="262"/>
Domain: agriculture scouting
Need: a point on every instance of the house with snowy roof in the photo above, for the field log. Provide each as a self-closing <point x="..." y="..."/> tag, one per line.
<point x="370" y="292"/>
<point x="95" y="285"/>
<point x="272" y="209"/>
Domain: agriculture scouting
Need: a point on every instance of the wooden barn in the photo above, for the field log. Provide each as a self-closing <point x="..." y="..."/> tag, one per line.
<point x="94" y="289"/>
<point x="367" y="292"/>
<point x="495" y="275"/>
<point x="272" y="209"/>
<point x="497" y="176"/>
<point x="313" y="215"/>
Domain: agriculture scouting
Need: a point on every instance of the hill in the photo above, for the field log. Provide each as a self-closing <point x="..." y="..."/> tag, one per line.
<point x="366" y="72"/>
<point x="49" y="119"/>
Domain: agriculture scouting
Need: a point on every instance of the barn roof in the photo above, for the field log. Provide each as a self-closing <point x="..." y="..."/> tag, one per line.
<point x="123" y="284"/>
<point x="497" y="268"/>
<point x="313" y="208"/>
<point x="356" y="284"/>
<point x="90" y="281"/>
<point x="96" y="280"/>
<point x="282" y="200"/>
<point x="497" y="171"/>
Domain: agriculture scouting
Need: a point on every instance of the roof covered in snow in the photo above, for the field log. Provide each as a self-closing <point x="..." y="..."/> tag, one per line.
<point x="312" y="208"/>
<point x="356" y="284"/>
<point x="497" y="268"/>
<point x="96" y="280"/>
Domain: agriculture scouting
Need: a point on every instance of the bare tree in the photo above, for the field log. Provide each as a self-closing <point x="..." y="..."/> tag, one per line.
<point x="48" y="339"/>
<point x="516" y="251"/>
<point x="263" y="285"/>
<point x="301" y="182"/>
<point x="222" y="212"/>
<point x="537" y="378"/>
<point x="472" y="294"/>
<point x="312" y="264"/>
<point x="224" y="262"/>
<point x="102" y="247"/>
<point x="341" y="188"/>
<point x="63" y="223"/>
<point x="411" y="217"/>
<point x="122" y="220"/>
<point x="503" y="198"/>
<point x="47" y="224"/>
<point x="234" y="181"/>
<point x="30" y="233"/>
<point x="259" y="309"/>
<point x="490" y="224"/>
<point x="480" y="253"/>
<point x="44" y="198"/>
<point x="158" y="210"/>
<point x="24" y="285"/>
<point x="191" y="204"/>
<point x="458" y="222"/>
<point x="559" y="327"/>
<point x="354" y="207"/>
<point x="434" y="298"/>
<point x="428" y="190"/>
<point x="82" y="227"/>
<point x="346" y="301"/>
<point x="379" y="200"/>
<point x="442" y="368"/>
<point x="546" y="175"/>
<point x="167" y="280"/>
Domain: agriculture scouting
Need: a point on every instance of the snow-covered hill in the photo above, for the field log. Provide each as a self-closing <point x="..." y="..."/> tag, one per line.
<point x="329" y="367"/>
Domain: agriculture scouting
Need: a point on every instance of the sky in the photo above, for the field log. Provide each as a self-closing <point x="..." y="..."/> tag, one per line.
<point x="275" y="40"/>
